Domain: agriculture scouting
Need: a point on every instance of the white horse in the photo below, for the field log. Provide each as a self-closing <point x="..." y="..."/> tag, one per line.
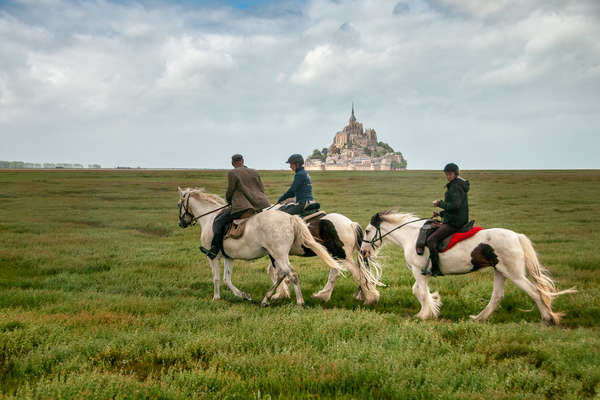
<point x="342" y="238"/>
<point x="270" y="233"/>
<point x="511" y="255"/>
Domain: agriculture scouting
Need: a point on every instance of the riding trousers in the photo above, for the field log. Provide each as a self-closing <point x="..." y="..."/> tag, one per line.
<point x="219" y="225"/>
<point x="438" y="235"/>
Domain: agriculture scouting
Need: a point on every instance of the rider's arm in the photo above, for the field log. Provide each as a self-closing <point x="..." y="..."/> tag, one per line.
<point x="231" y="182"/>
<point x="291" y="192"/>
<point x="454" y="199"/>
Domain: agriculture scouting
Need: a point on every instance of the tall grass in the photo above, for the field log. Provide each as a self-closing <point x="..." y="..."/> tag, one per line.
<point x="103" y="296"/>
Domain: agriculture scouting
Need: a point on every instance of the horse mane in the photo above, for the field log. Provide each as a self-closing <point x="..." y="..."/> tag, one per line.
<point x="200" y="194"/>
<point x="393" y="216"/>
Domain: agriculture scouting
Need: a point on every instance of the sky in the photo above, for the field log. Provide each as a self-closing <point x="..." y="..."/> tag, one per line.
<point x="505" y="84"/>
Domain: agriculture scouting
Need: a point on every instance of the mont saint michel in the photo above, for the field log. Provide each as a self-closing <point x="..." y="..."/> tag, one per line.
<point x="354" y="148"/>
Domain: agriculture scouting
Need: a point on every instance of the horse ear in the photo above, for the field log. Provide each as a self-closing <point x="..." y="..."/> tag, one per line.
<point x="180" y="191"/>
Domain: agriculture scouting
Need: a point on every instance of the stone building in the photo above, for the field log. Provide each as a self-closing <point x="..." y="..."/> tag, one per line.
<point x="355" y="148"/>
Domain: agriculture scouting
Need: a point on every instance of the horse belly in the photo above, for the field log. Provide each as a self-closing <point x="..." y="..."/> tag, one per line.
<point x="242" y="252"/>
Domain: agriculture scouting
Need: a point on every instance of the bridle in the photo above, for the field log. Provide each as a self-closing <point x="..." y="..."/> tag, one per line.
<point x="185" y="207"/>
<point x="379" y="237"/>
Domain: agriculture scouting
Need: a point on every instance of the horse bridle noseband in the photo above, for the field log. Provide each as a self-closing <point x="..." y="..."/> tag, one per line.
<point x="186" y="209"/>
<point x="379" y="237"/>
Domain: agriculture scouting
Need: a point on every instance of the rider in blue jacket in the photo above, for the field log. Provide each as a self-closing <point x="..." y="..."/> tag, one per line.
<point x="301" y="188"/>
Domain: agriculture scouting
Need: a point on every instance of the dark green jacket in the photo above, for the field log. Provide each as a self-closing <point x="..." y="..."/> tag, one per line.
<point x="456" y="203"/>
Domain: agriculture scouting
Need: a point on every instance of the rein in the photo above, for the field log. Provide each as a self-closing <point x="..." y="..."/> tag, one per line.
<point x="379" y="237"/>
<point x="186" y="209"/>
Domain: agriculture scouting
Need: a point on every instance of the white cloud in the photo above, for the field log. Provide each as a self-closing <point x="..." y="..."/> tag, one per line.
<point x="96" y="78"/>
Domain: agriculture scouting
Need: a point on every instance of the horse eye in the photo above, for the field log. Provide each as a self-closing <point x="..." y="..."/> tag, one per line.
<point x="367" y="232"/>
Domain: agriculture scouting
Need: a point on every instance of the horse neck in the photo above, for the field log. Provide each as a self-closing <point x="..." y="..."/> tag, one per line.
<point x="199" y="207"/>
<point x="404" y="236"/>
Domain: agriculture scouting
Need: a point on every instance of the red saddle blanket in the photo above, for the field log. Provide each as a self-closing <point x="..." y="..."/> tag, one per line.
<point x="460" y="236"/>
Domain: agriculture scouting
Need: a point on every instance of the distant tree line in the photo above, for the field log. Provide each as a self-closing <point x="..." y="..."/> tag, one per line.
<point x="29" y="165"/>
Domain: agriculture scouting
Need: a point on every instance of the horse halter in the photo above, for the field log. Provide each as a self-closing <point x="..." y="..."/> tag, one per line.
<point x="185" y="206"/>
<point x="376" y="222"/>
<point x="186" y="209"/>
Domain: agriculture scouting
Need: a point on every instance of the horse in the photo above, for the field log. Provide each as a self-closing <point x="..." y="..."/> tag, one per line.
<point x="511" y="255"/>
<point x="269" y="232"/>
<point x="342" y="237"/>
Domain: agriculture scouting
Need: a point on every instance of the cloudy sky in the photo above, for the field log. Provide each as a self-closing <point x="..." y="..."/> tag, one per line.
<point x="151" y="83"/>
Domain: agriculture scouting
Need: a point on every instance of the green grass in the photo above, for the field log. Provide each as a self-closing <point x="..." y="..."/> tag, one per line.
<point x="102" y="295"/>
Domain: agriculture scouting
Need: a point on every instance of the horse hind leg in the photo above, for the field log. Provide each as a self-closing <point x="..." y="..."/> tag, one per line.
<point x="283" y="291"/>
<point x="325" y="293"/>
<point x="529" y="288"/>
<point x="497" y="295"/>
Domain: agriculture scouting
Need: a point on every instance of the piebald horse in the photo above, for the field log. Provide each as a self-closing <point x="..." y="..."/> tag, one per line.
<point x="272" y="233"/>
<point x="511" y="255"/>
<point x="342" y="237"/>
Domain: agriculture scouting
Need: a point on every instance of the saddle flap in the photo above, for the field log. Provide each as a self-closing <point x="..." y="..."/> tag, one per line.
<point x="238" y="226"/>
<point x="429" y="226"/>
<point x="318" y="214"/>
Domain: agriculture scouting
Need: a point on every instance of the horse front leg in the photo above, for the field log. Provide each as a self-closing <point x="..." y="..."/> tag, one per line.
<point x="214" y="265"/>
<point x="430" y="302"/>
<point x="227" y="271"/>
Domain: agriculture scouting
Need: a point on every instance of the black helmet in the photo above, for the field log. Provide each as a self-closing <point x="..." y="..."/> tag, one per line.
<point x="451" y="167"/>
<point x="295" y="159"/>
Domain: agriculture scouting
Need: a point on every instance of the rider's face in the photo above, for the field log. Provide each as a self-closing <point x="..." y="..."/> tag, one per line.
<point x="450" y="176"/>
<point x="293" y="167"/>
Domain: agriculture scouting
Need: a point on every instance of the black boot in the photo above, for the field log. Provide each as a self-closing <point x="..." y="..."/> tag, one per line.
<point x="211" y="253"/>
<point x="435" y="265"/>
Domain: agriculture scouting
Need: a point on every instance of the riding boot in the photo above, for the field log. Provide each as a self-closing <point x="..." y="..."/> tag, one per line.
<point x="435" y="264"/>
<point x="211" y="253"/>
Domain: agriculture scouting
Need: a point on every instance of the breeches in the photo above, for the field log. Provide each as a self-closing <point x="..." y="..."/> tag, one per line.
<point x="438" y="235"/>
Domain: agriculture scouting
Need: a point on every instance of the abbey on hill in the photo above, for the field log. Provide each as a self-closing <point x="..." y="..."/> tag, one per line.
<point x="354" y="148"/>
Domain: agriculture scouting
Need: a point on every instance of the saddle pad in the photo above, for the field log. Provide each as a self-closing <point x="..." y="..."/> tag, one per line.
<point x="460" y="236"/>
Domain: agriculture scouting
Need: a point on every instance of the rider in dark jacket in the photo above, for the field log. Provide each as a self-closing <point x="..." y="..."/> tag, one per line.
<point x="455" y="214"/>
<point x="301" y="188"/>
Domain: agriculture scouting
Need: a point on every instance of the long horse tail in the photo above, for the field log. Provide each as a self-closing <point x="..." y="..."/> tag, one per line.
<point x="541" y="278"/>
<point x="368" y="268"/>
<point x="303" y="237"/>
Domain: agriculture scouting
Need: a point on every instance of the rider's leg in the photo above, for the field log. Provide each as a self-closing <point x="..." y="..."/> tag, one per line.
<point x="218" y="228"/>
<point x="433" y="240"/>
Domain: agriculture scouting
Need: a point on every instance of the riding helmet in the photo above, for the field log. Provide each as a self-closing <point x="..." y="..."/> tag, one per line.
<point x="451" y="167"/>
<point x="295" y="159"/>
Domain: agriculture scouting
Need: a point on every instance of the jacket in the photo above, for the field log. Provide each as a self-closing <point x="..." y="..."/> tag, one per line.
<point x="245" y="190"/>
<point x="301" y="187"/>
<point x="456" y="203"/>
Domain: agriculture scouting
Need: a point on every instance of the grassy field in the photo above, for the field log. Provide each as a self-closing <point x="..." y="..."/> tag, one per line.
<point x="102" y="295"/>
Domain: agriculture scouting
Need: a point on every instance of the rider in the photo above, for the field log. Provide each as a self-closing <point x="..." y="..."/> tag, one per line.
<point x="245" y="191"/>
<point x="301" y="188"/>
<point x="455" y="214"/>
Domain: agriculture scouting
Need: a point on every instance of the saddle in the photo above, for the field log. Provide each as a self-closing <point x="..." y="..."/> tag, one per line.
<point x="235" y="229"/>
<point x="432" y="224"/>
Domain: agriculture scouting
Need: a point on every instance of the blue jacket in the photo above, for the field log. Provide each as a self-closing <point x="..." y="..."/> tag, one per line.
<point x="301" y="187"/>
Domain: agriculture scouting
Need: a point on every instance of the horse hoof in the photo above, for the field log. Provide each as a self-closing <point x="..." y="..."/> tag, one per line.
<point x="264" y="303"/>
<point x="246" y="296"/>
<point x="321" y="296"/>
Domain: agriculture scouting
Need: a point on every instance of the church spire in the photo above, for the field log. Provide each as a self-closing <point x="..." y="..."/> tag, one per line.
<point x="352" y="117"/>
